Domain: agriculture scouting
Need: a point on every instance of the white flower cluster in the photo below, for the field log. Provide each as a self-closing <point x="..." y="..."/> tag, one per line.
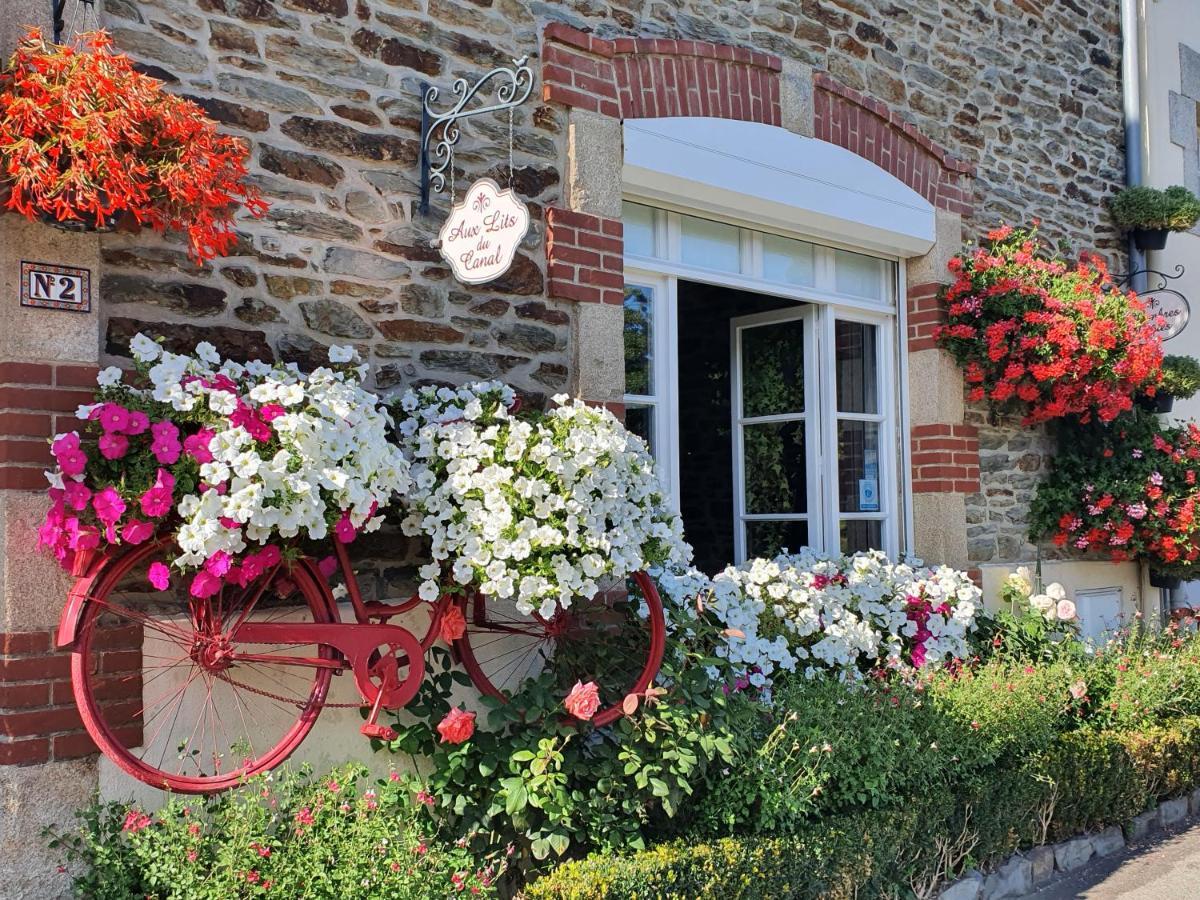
<point x="540" y="509"/>
<point x="285" y="454"/>
<point x="834" y="615"/>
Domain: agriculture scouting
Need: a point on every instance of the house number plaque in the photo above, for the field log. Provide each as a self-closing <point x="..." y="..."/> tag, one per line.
<point x="481" y="235"/>
<point x="50" y="286"/>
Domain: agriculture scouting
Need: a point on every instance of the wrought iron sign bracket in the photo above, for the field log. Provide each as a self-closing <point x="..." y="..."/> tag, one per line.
<point x="440" y="131"/>
<point x="1162" y="299"/>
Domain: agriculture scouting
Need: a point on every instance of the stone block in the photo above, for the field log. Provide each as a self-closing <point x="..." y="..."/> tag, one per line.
<point x="42" y="335"/>
<point x="796" y="97"/>
<point x="1141" y="827"/>
<point x="32" y="798"/>
<point x="594" y="161"/>
<point x="969" y="887"/>
<point x="1194" y="805"/>
<point x="1013" y="879"/>
<point x="939" y="526"/>
<point x="1041" y="861"/>
<point x="1070" y="855"/>
<point x="948" y="239"/>
<point x="599" y="340"/>
<point x="1173" y="811"/>
<point x="936" y="388"/>
<point x="33" y="587"/>
<point x="1111" y="840"/>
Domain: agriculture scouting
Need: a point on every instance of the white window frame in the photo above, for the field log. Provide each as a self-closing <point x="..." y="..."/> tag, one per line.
<point x="663" y="270"/>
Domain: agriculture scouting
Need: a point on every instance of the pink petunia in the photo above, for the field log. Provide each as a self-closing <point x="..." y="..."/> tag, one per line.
<point x="270" y="412"/>
<point x="136" y="531"/>
<point x="108" y="505"/>
<point x="328" y="565"/>
<point x="76" y="494"/>
<point x="218" y="564"/>
<point x="138" y="422"/>
<point x="81" y="537"/>
<point x="165" y="446"/>
<point x="204" y="585"/>
<point x="114" y="417"/>
<point x="196" y="445"/>
<point x="113" y="445"/>
<point x="160" y="576"/>
<point x="71" y="459"/>
<point x="157" y="500"/>
<point x="345" y="530"/>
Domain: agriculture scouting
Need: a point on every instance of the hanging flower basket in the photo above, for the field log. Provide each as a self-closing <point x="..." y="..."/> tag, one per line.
<point x="1044" y="338"/>
<point x="89" y="143"/>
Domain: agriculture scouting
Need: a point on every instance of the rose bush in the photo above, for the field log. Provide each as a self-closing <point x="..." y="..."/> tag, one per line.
<point x="539" y="508"/>
<point x="86" y="138"/>
<point x="1045" y="338"/>
<point x="237" y="461"/>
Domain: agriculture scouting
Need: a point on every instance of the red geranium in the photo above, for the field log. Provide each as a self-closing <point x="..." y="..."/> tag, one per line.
<point x="86" y="138"/>
<point x="1046" y="338"/>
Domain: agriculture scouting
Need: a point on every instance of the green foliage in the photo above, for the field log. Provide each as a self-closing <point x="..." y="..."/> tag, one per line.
<point x="535" y="778"/>
<point x="1180" y="376"/>
<point x="290" y="835"/>
<point x="1175" y="208"/>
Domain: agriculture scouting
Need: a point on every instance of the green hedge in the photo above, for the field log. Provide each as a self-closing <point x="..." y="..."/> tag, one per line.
<point x="1087" y="780"/>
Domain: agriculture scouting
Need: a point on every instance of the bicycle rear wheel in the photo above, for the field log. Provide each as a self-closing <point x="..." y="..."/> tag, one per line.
<point x="615" y="639"/>
<point x="171" y="699"/>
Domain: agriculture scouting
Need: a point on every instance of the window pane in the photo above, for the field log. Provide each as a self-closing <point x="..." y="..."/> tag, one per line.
<point x="788" y="261"/>
<point x="640" y="420"/>
<point x="639" y="311"/>
<point x="857" y="377"/>
<point x="772" y="368"/>
<point x="775" y="468"/>
<point x="861" y="276"/>
<point x="638" y="223"/>
<point x="711" y="245"/>
<point x="772" y="538"/>
<point x="858" y="466"/>
<point x="862" y="535"/>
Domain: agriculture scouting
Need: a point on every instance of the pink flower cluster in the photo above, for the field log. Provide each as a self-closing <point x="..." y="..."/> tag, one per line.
<point x="918" y="610"/>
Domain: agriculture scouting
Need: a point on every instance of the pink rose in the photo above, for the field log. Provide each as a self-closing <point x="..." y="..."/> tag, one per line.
<point x="160" y="576"/>
<point x="454" y="624"/>
<point x="113" y="445"/>
<point x="583" y="701"/>
<point x="165" y="446"/>
<point x="458" y="726"/>
<point x="344" y="530"/>
<point x="1066" y="610"/>
<point x="108" y="505"/>
<point x="113" y="417"/>
<point x="196" y="445"/>
<point x="136" y="531"/>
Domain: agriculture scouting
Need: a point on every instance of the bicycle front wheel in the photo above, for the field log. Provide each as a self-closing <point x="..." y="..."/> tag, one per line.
<point x="170" y="698"/>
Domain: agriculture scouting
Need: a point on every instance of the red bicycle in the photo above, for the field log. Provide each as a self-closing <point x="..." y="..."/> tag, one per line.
<point x="194" y="695"/>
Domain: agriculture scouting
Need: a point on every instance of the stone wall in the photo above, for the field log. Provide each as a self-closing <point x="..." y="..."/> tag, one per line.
<point x="1026" y="93"/>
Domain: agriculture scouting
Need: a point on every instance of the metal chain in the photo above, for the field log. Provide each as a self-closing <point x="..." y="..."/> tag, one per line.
<point x="290" y="701"/>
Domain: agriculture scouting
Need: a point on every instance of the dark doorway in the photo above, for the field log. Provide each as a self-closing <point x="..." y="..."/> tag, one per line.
<point x="705" y="430"/>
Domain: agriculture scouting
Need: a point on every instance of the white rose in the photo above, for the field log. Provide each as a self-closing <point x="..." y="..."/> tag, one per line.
<point x="1056" y="591"/>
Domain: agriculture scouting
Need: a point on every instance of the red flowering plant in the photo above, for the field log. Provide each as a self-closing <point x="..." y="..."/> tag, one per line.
<point x="1045" y="338"/>
<point x="86" y="139"/>
<point x="1127" y="490"/>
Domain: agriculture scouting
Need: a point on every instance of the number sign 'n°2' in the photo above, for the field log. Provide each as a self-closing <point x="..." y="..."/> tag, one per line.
<point x="480" y="236"/>
<point x="49" y="286"/>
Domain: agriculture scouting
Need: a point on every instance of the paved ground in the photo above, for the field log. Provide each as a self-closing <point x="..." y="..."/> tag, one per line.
<point x="1167" y="868"/>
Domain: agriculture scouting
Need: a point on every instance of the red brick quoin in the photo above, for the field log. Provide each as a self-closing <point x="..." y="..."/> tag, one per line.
<point x="945" y="459"/>
<point x="37" y="401"/>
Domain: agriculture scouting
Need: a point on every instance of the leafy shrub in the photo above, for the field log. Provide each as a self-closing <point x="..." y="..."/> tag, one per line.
<point x="1180" y="376"/>
<point x="1175" y="208"/>
<point x="291" y="835"/>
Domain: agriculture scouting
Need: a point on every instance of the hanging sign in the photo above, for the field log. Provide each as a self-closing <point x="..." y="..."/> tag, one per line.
<point x="50" y="286"/>
<point x="1171" y="307"/>
<point x="480" y="236"/>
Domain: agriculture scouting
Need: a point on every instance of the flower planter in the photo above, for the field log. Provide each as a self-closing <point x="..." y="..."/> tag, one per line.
<point x="1161" y="403"/>
<point x="1150" y="238"/>
<point x="1164" y="581"/>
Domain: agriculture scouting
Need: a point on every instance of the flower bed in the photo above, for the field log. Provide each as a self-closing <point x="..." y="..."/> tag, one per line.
<point x="1044" y="338"/>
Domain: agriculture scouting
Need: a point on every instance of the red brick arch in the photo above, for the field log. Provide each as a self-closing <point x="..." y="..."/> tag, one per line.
<point x="630" y="78"/>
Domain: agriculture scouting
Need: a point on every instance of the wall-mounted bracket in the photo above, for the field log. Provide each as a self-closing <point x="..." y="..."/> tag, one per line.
<point x="1162" y="299"/>
<point x="440" y="131"/>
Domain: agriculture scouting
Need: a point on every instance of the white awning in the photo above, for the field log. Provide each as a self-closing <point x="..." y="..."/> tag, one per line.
<point x="762" y="174"/>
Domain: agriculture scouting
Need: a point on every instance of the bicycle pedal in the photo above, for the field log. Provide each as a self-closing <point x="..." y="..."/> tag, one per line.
<point x="377" y="731"/>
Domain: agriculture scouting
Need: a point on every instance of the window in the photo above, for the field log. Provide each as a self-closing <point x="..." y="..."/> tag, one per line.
<point x="761" y="370"/>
